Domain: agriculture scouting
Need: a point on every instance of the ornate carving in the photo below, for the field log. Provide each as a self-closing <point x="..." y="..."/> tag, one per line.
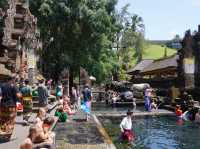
<point x="24" y="39"/>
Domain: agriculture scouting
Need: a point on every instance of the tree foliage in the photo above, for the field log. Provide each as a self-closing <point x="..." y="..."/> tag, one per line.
<point x="3" y="4"/>
<point x="130" y="40"/>
<point x="82" y="31"/>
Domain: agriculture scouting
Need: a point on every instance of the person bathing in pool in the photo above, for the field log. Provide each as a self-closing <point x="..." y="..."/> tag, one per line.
<point x="126" y="127"/>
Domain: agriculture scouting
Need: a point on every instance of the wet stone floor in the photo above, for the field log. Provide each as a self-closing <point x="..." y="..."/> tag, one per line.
<point x="77" y="132"/>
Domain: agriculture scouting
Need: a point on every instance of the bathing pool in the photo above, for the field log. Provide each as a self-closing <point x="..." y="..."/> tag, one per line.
<point x="156" y="133"/>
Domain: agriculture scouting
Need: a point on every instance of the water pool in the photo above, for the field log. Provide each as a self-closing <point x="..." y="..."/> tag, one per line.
<point x="157" y="133"/>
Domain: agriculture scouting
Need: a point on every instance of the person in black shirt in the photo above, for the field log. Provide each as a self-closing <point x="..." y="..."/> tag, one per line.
<point x="9" y="97"/>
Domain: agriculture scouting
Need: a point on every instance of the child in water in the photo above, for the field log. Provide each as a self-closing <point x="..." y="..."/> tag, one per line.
<point x="178" y="111"/>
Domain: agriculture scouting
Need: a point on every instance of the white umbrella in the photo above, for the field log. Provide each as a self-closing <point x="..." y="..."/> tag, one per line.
<point x="92" y="78"/>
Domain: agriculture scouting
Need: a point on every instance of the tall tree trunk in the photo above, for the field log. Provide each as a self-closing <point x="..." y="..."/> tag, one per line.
<point x="71" y="79"/>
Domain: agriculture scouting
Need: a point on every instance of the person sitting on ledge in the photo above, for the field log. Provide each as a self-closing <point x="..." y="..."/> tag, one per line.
<point x="31" y="142"/>
<point x="28" y="142"/>
<point x="126" y="127"/>
<point x="61" y="114"/>
<point x="44" y="137"/>
<point x="40" y="117"/>
<point x="67" y="105"/>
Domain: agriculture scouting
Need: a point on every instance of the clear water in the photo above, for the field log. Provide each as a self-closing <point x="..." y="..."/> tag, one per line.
<point x="157" y="133"/>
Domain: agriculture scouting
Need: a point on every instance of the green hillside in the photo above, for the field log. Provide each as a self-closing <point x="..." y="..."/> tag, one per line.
<point x="156" y="52"/>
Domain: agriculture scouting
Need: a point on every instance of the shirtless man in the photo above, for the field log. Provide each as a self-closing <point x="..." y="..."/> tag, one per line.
<point x="28" y="142"/>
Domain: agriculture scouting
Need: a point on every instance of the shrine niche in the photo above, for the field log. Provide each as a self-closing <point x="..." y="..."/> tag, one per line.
<point x="19" y="39"/>
<point x="84" y="78"/>
<point x="188" y="61"/>
<point x="65" y="81"/>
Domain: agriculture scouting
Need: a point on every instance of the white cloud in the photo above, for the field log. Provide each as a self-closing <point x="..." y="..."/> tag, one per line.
<point x="172" y="33"/>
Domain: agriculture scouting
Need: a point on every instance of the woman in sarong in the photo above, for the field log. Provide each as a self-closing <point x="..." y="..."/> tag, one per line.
<point x="147" y="99"/>
<point x="8" y="112"/>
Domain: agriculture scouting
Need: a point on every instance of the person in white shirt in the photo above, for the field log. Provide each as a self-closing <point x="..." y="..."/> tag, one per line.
<point x="126" y="127"/>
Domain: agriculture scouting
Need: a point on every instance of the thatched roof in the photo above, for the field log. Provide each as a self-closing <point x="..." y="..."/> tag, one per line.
<point x="164" y="65"/>
<point x="140" y="66"/>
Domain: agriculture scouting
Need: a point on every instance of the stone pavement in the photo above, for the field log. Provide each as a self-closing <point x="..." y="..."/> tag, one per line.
<point x="82" y="135"/>
<point x="103" y="110"/>
<point x="73" y="134"/>
<point x="20" y="133"/>
<point x="78" y="134"/>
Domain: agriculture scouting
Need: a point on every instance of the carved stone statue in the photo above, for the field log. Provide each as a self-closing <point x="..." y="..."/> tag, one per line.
<point x="11" y="32"/>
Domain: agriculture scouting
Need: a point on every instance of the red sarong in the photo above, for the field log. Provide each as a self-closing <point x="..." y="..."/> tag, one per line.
<point x="7" y="122"/>
<point x="128" y="135"/>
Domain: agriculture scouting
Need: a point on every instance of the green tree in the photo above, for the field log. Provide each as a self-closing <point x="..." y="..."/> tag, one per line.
<point x="137" y="23"/>
<point x="82" y="29"/>
<point x="3" y="4"/>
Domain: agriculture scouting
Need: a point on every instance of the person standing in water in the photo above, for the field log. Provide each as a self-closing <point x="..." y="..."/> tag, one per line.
<point x="147" y="99"/>
<point x="126" y="127"/>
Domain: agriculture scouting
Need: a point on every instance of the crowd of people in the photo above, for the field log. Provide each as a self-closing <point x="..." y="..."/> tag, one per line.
<point x="186" y="109"/>
<point x="16" y="96"/>
<point x="13" y="94"/>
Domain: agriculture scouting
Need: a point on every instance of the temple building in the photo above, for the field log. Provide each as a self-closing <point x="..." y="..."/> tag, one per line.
<point x="181" y="71"/>
<point x="19" y="40"/>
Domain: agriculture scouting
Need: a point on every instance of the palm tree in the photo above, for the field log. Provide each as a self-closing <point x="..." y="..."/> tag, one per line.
<point x="139" y="47"/>
<point x="139" y="28"/>
<point x="137" y="23"/>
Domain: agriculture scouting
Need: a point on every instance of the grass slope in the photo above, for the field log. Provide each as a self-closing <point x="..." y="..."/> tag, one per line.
<point x="154" y="51"/>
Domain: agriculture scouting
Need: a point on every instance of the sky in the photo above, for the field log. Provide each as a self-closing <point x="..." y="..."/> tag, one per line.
<point x="164" y="19"/>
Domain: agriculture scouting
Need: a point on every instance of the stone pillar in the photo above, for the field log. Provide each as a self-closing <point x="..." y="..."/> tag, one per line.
<point x="84" y="79"/>
<point x="197" y="58"/>
<point x="65" y="81"/>
<point x="188" y="61"/>
<point x="32" y="66"/>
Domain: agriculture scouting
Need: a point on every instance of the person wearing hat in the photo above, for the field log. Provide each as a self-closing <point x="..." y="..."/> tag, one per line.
<point x="126" y="127"/>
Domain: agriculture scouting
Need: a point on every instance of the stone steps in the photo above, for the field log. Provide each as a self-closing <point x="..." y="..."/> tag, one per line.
<point x="85" y="146"/>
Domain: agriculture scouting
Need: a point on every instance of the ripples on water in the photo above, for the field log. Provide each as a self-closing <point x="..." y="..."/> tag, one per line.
<point x="158" y="133"/>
